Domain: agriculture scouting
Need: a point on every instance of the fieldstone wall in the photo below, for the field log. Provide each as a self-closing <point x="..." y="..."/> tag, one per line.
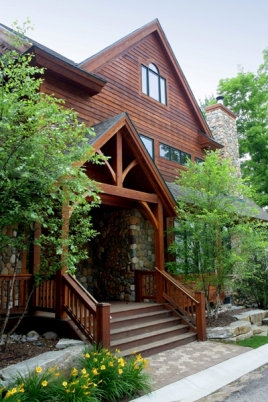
<point x="222" y="123"/>
<point x="125" y="243"/>
<point x="8" y="264"/>
<point x="8" y="261"/>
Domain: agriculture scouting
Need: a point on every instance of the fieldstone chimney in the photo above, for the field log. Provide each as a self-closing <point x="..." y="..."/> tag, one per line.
<point x="222" y="123"/>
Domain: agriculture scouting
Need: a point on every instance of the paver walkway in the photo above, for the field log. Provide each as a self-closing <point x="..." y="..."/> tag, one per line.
<point x="175" y="364"/>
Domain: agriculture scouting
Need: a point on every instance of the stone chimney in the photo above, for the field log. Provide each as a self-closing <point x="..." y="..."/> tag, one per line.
<point x="222" y="123"/>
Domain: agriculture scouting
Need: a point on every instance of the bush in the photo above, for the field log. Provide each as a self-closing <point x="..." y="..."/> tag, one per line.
<point x="100" y="376"/>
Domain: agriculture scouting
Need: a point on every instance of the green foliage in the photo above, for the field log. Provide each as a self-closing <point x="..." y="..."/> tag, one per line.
<point x="101" y="376"/>
<point x="116" y="377"/>
<point x="250" y="284"/>
<point x="213" y="218"/>
<point x="209" y="100"/>
<point x="40" y="141"/>
<point x="247" y="96"/>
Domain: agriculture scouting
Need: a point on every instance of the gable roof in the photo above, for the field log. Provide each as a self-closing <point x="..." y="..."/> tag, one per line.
<point x="95" y="62"/>
<point x="108" y="128"/>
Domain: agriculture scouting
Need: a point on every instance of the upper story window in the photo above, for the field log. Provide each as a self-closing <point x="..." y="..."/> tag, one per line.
<point x="173" y="154"/>
<point x="199" y="160"/>
<point x="149" y="145"/>
<point x="153" y="84"/>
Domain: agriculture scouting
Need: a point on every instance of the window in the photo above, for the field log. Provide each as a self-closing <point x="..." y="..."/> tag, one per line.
<point x="153" y="84"/>
<point x="149" y="145"/>
<point x="173" y="154"/>
<point x="198" y="160"/>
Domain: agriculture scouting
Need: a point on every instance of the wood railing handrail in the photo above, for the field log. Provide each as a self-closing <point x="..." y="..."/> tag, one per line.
<point x="17" y="277"/>
<point x="81" y="287"/>
<point x="197" y="304"/>
<point x="177" y="284"/>
<point x="87" y="299"/>
<point x="91" y="317"/>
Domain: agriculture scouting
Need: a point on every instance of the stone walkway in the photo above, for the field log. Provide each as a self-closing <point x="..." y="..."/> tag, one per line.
<point x="175" y="364"/>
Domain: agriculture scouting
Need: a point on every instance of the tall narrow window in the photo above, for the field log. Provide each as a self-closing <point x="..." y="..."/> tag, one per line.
<point x="153" y="84"/>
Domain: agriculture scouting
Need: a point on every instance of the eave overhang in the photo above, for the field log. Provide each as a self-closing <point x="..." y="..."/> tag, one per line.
<point x="89" y="83"/>
<point x="206" y="142"/>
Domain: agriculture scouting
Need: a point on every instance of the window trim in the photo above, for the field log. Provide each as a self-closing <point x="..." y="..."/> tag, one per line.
<point x="162" y="92"/>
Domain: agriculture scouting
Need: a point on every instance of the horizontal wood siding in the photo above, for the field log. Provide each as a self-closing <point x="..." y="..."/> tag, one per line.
<point x="174" y="124"/>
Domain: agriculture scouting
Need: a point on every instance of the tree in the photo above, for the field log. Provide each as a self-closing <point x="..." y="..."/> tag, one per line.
<point x="247" y="96"/>
<point x="250" y="284"/>
<point x="41" y="142"/>
<point x="213" y="218"/>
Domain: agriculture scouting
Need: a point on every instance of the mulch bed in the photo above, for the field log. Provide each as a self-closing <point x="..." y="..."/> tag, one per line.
<point x="18" y="352"/>
<point x="226" y="318"/>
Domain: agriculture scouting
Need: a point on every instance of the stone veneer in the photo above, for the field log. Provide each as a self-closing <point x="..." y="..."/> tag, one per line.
<point x="222" y="123"/>
<point x="7" y="266"/>
<point x="7" y="262"/>
<point x="125" y="243"/>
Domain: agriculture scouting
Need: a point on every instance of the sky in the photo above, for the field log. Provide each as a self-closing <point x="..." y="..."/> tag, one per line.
<point x="210" y="38"/>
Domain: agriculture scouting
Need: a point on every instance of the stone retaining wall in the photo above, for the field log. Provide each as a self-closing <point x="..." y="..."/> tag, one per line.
<point x="125" y="243"/>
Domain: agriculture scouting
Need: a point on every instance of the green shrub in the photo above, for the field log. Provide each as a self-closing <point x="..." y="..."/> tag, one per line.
<point x="100" y="376"/>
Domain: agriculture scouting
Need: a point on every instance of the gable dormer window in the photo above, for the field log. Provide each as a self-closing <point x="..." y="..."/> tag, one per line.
<point x="153" y="84"/>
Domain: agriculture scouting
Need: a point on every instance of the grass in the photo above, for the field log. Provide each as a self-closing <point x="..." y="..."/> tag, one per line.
<point x="254" y="342"/>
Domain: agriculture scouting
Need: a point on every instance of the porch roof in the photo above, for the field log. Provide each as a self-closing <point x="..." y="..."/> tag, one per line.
<point x="249" y="206"/>
<point x="107" y="128"/>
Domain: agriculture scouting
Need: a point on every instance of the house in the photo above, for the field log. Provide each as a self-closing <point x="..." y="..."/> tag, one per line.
<point x="147" y="121"/>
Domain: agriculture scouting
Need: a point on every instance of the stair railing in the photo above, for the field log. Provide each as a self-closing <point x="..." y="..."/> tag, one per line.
<point x="189" y="305"/>
<point x="91" y="317"/>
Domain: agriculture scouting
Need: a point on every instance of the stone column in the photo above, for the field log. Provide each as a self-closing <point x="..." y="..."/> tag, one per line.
<point x="222" y="123"/>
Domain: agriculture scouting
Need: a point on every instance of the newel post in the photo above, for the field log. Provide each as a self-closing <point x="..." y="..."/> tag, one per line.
<point x="201" y="316"/>
<point x="103" y="324"/>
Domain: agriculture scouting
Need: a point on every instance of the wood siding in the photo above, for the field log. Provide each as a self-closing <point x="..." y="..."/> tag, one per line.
<point x="174" y="124"/>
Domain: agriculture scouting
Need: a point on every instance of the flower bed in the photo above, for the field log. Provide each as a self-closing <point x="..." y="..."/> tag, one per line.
<point x="99" y="376"/>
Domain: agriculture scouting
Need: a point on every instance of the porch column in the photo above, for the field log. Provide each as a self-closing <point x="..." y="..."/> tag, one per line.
<point x="59" y="292"/>
<point x="159" y="251"/>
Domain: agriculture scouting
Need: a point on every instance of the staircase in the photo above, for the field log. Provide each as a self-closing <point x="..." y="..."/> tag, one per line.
<point x="148" y="329"/>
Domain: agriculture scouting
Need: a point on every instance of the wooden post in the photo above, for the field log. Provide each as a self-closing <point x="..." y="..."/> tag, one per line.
<point x="59" y="312"/>
<point x="138" y="286"/>
<point x="201" y="316"/>
<point x="159" y="251"/>
<point x="119" y="161"/>
<point x="103" y="324"/>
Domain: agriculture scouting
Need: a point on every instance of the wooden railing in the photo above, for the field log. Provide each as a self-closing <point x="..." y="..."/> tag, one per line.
<point x="45" y="295"/>
<point x="189" y="305"/>
<point x="19" y="295"/>
<point x="91" y="317"/>
<point x="145" y="285"/>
